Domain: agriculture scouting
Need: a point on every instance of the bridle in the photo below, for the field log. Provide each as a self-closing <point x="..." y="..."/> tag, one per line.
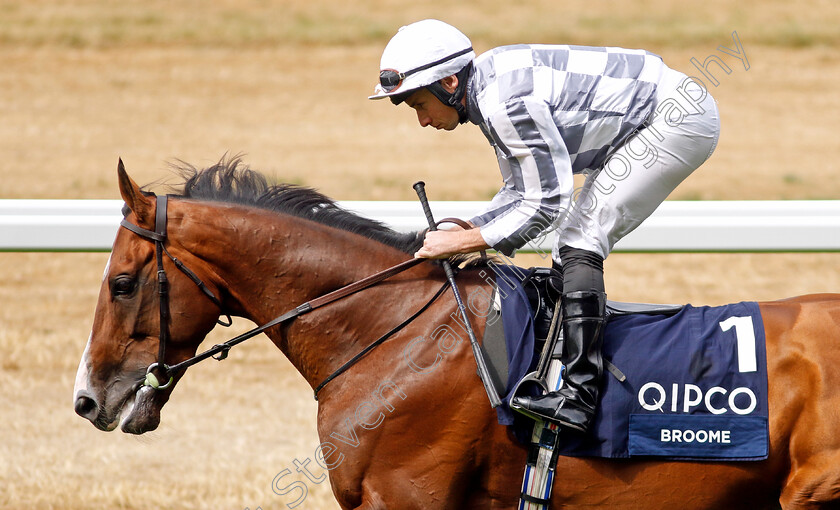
<point x="158" y="236"/>
<point x="220" y="351"/>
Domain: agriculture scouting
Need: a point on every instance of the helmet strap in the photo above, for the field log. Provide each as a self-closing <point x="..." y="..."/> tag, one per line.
<point x="454" y="99"/>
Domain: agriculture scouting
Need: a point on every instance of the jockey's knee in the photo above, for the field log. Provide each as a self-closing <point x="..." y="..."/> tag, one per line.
<point x="583" y="270"/>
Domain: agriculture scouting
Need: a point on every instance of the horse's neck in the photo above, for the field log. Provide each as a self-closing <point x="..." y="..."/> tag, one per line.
<point x="269" y="264"/>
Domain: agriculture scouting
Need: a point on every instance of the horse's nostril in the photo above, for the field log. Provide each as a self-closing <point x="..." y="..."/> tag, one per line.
<point x="86" y="406"/>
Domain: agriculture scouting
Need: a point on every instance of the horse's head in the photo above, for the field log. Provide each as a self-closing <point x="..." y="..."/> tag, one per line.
<point x="125" y="338"/>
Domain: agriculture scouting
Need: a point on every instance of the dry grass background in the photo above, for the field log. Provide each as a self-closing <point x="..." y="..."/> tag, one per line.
<point x="85" y="82"/>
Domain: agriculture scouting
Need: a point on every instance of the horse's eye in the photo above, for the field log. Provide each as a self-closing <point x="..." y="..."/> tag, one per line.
<point x="122" y="286"/>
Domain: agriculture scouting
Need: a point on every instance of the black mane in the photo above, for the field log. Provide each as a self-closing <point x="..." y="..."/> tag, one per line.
<point x="233" y="182"/>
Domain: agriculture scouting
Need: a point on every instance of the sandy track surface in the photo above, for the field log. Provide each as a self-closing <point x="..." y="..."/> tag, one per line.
<point x="85" y="82"/>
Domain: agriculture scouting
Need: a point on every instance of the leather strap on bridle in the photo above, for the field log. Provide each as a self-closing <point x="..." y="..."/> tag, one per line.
<point x="163" y="282"/>
<point x="223" y="348"/>
<point x="220" y="351"/>
<point x="158" y="236"/>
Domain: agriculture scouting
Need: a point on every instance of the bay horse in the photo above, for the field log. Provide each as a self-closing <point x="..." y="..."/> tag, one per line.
<point x="395" y="437"/>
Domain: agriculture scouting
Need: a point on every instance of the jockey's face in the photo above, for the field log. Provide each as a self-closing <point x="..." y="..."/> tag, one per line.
<point x="431" y="112"/>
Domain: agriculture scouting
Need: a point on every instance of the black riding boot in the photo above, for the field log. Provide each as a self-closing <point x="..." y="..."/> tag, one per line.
<point x="573" y="405"/>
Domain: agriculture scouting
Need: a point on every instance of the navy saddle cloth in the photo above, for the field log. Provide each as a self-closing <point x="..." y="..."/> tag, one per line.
<point x="695" y="387"/>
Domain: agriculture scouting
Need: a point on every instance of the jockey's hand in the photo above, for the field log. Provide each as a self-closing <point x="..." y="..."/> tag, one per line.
<point x="442" y="244"/>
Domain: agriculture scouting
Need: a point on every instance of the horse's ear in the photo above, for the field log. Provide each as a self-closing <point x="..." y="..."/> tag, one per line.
<point x="143" y="206"/>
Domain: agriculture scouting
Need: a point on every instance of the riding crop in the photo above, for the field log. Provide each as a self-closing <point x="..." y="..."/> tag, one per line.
<point x="483" y="372"/>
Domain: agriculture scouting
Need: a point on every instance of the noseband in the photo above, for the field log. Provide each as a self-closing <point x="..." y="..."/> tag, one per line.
<point x="220" y="351"/>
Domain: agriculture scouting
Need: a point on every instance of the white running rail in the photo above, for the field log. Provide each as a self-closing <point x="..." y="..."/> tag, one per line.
<point x="724" y="226"/>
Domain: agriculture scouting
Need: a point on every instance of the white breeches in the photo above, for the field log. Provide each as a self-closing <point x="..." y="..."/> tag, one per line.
<point x="641" y="173"/>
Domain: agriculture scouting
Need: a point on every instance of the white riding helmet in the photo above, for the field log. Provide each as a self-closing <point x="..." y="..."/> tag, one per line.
<point x="419" y="55"/>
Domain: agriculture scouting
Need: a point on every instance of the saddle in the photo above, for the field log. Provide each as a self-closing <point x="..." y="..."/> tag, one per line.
<point x="542" y="288"/>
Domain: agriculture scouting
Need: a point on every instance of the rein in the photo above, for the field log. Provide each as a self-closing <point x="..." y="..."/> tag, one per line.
<point x="220" y="351"/>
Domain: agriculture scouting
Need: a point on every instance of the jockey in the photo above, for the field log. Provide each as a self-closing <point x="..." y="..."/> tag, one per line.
<point x="634" y="126"/>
